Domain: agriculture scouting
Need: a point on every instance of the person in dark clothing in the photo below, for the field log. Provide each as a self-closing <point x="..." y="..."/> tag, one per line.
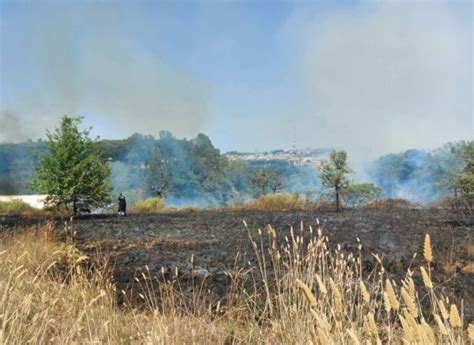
<point x="122" y="205"/>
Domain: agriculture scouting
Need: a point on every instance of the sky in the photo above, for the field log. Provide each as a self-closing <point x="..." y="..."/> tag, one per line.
<point x="368" y="77"/>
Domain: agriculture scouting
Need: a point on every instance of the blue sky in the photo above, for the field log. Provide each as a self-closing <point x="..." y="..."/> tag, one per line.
<point x="369" y="77"/>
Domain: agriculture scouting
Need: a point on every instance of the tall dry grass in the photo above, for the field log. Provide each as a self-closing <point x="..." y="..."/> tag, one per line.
<point x="300" y="292"/>
<point x="149" y="205"/>
<point x="275" y="202"/>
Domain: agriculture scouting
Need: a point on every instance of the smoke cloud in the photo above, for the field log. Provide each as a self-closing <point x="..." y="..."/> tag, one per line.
<point x="12" y="127"/>
<point x="367" y="77"/>
<point x="386" y="76"/>
<point x="83" y="59"/>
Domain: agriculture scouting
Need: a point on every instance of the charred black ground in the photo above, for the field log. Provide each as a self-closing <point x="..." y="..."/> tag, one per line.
<point x="167" y="242"/>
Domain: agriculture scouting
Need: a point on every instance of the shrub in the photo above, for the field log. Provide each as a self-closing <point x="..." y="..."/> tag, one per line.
<point x="149" y="205"/>
<point x="17" y="207"/>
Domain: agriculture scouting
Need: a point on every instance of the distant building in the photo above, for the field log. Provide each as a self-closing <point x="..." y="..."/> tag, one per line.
<point x="303" y="157"/>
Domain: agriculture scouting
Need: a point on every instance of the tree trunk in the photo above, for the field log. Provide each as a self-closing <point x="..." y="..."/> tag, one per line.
<point x="338" y="206"/>
<point x="74" y="208"/>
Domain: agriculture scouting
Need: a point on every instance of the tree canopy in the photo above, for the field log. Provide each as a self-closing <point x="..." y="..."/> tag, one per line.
<point x="464" y="181"/>
<point x="72" y="172"/>
<point x="334" y="174"/>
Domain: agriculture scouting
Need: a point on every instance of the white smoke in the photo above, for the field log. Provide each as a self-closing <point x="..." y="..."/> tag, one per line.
<point x="81" y="59"/>
<point x="387" y="76"/>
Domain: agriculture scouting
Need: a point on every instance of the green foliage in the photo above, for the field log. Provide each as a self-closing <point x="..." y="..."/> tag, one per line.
<point x="149" y="205"/>
<point x="334" y="173"/>
<point x="464" y="180"/>
<point x="111" y="149"/>
<point x="259" y="181"/>
<point x="357" y="195"/>
<point x="275" y="181"/>
<point x="72" y="173"/>
<point x="16" y="207"/>
<point x="264" y="180"/>
<point x="185" y="172"/>
<point x="452" y="167"/>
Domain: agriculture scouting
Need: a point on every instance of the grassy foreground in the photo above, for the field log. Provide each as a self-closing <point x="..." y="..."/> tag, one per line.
<point x="50" y="293"/>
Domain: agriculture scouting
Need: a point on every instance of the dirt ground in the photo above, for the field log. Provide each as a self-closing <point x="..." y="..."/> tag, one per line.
<point x="166" y="242"/>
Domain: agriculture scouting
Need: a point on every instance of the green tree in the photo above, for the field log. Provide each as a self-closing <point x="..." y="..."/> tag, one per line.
<point x="72" y="173"/>
<point x="334" y="174"/>
<point x="275" y="181"/>
<point x="452" y="168"/>
<point x="259" y="181"/>
<point x="464" y="181"/>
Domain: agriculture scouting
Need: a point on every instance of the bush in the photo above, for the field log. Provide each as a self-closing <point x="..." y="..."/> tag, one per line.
<point x="277" y="202"/>
<point x="150" y="205"/>
<point x="16" y="207"/>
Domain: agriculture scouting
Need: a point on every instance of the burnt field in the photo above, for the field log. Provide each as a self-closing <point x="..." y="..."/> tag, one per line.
<point x="163" y="244"/>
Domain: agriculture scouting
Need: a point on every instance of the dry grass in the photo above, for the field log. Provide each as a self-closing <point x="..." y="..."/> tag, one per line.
<point x="299" y="293"/>
<point x="150" y="205"/>
<point x="157" y="205"/>
<point x="275" y="202"/>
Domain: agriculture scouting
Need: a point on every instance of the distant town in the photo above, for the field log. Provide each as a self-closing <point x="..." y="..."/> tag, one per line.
<point x="299" y="157"/>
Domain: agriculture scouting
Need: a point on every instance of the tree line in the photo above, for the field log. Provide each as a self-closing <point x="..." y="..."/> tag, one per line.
<point x="74" y="170"/>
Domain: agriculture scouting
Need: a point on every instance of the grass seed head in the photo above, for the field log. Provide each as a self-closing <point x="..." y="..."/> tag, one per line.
<point x="392" y="297"/>
<point x="427" y="253"/>
<point x="426" y="278"/>
<point x="363" y="290"/>
<point x="470" y="331"/>
<point x="321" y="286"/>
<point x="441" y="326"/>
<point x="406" y="330"/>
<point x="337" y="298"/>
<point x="442" y="308"/>
<point x="411" y="288"/>
<point x="307" y="293"/>
<point x="454" y="318"/>
<point x="386" y="302"/>
<point x="409" y="303"/>
<point x="372" y="324"/>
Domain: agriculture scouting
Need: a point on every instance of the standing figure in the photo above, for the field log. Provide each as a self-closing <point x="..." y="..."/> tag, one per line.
<point x="122" y="205"/>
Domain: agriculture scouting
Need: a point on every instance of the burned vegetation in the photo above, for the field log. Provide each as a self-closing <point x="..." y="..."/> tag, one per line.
<point x="198" y="249"/>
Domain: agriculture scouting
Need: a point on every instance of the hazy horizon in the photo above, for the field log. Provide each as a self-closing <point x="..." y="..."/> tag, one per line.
<point x="368" y="77"/>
